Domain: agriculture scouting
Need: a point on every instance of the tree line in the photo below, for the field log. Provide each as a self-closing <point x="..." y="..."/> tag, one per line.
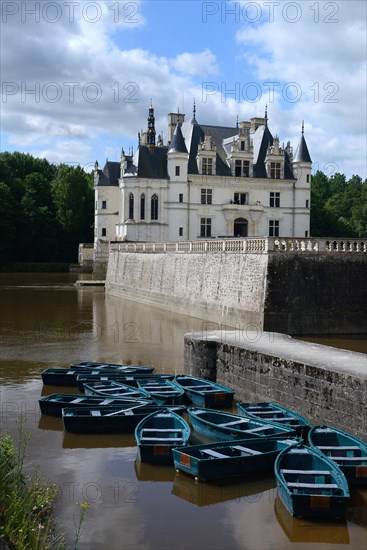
<point x="338" y="206"/>
<point x="46" y="210"/>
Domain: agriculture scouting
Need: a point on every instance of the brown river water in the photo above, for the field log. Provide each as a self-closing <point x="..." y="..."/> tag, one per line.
<point x="47" y="322"/>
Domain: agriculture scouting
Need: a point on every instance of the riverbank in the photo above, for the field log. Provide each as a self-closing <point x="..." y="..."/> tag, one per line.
<point x="34" y="267"/>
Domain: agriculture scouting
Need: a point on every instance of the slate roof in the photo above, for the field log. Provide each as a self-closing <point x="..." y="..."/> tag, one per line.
<point x="177" y="144"/>
<point x="151" y="163"/>
<point x="110" y="174"/>
<point x="302" y="154"/>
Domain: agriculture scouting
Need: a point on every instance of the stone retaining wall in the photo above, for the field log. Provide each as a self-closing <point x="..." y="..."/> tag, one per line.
<point x="325" y="384"/>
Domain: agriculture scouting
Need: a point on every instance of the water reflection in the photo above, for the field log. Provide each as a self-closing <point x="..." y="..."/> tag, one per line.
<point x="206" y="494"/>
<point x="153" y="472"/>
<point x="357" y="510"/>
<point x="48" y="422"/>
<point x="77" y="441"/>
<point x="307" y="530"/>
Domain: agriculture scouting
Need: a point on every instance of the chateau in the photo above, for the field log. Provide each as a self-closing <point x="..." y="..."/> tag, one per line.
<point x="203" y="182"/>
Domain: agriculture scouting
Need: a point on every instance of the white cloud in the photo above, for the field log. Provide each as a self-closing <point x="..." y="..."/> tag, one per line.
<point x="72" y="80"/>
<point x="202" y="63"/>
<point x="324" y="55"/>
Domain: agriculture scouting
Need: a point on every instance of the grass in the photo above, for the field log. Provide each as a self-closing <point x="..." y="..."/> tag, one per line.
<point x="26" y="502"/>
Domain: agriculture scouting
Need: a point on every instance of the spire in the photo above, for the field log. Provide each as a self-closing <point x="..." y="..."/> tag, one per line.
<point x="266" y="115"/>
<point x="302" y="154"/>
<point x="151" y="126"/>
<point x="237" y="122"/>
<point x="193" y="120"/>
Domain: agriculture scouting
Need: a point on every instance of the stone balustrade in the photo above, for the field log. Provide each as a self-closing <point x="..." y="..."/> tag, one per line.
<point x="255" y="245"/>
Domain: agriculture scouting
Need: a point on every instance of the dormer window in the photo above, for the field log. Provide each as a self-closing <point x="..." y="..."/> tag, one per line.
<point x="242" y="145"/>
<point x="242" y="168"/>
<point x="207" y="166"/>
<point x="275" y="170"/>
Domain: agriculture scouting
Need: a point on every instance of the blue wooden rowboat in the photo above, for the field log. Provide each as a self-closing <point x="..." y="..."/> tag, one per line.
<point x="157" y="434"/>
<point x="241" y="457"/>
<point x="349" y="452"/>
<point x="68" y="377"/>
<point x="205" y="393"/>
<point x="130" y="380"/>
<point x="163" y="391"/>
<point x="222" y="426"/>
<point x="113" y="366"/>
<point x="54" y="403"/>
<point x="275" y="413"/>
<point x="115" y="389"/>
<point x="109" y="419"/>
<point x="310" y="484"/>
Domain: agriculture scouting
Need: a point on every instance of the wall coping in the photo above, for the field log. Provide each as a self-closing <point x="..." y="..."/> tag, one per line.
<point x="254" y="245"/>
<point x="285" y="347"/>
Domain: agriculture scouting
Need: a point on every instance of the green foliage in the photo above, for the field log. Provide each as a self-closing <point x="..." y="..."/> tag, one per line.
<point x="26" y="503"/>
<point x="45" y="210"/>
<point x="338" y="206"/>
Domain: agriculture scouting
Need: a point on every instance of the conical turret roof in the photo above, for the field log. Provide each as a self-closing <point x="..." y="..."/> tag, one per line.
<point x="302" y="154"/>
<point x="177" y="144"/>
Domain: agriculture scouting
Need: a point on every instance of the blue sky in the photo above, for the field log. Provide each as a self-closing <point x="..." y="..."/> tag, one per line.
<point x="78" y="77"/>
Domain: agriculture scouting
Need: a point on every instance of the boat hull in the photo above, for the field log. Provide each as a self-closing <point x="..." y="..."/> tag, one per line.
<point x="242" y="457"/>
<point x="54" y="403"/>
<point x="106" y="420"/>
<point x="311" y="485"/>
<point x="346" y="450"/>
<point x="210" y="423"/>
<point x="157" y="434"/>
<point x="276" y="414"/>
<point x="205" y="393"/>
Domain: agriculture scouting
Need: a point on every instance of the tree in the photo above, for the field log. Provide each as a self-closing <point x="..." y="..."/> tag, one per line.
<point x="73" y="196"/>
<point x="8" y="216"/>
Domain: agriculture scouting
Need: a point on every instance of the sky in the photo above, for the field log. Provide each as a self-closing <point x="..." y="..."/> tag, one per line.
<point x="78" y="76"/>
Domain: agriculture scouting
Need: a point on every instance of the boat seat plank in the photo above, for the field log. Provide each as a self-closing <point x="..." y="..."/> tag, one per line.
<point x="213" y="453"/>
<point x="173" y="430"/>
<point x="339" y="447"/>
<point x="315" y="472"/>
<point x="348" y="458"/>
<point x="167" y="439"/>
<point x="239" y="421"/>
<point x="297" y="485"/>
<point x="260" y="429"/>
<point x="246" y="450"/>
<point x="78" y="400"/>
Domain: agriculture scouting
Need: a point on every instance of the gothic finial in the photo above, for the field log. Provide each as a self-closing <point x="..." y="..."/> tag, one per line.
<point x="266" y="115"/>
<point x="139" y="138"/>
<point x="303" y="127"/>
<point x="194" y="112"/>
<point x="237" y="122"/>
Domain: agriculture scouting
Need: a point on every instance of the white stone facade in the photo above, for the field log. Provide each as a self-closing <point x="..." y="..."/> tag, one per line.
<point x="205" y="182"/>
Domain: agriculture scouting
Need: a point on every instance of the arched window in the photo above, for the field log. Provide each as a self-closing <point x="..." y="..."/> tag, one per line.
<point x="240" y="227"/>
<point x="131" y="206"/>
<point x="142" y="206"/>
<point x="154" y="207"/>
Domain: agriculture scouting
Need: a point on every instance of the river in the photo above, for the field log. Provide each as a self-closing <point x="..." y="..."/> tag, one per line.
<point x="48" y="322"/>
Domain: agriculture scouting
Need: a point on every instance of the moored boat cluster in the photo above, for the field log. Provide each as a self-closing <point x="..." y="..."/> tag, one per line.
<point x="313" y="466"/>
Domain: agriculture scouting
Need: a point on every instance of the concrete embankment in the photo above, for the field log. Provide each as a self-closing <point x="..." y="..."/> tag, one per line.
<point x="325" y="384"/>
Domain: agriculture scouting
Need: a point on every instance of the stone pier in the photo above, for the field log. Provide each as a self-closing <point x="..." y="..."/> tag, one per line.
<point x="325" y="384"/>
